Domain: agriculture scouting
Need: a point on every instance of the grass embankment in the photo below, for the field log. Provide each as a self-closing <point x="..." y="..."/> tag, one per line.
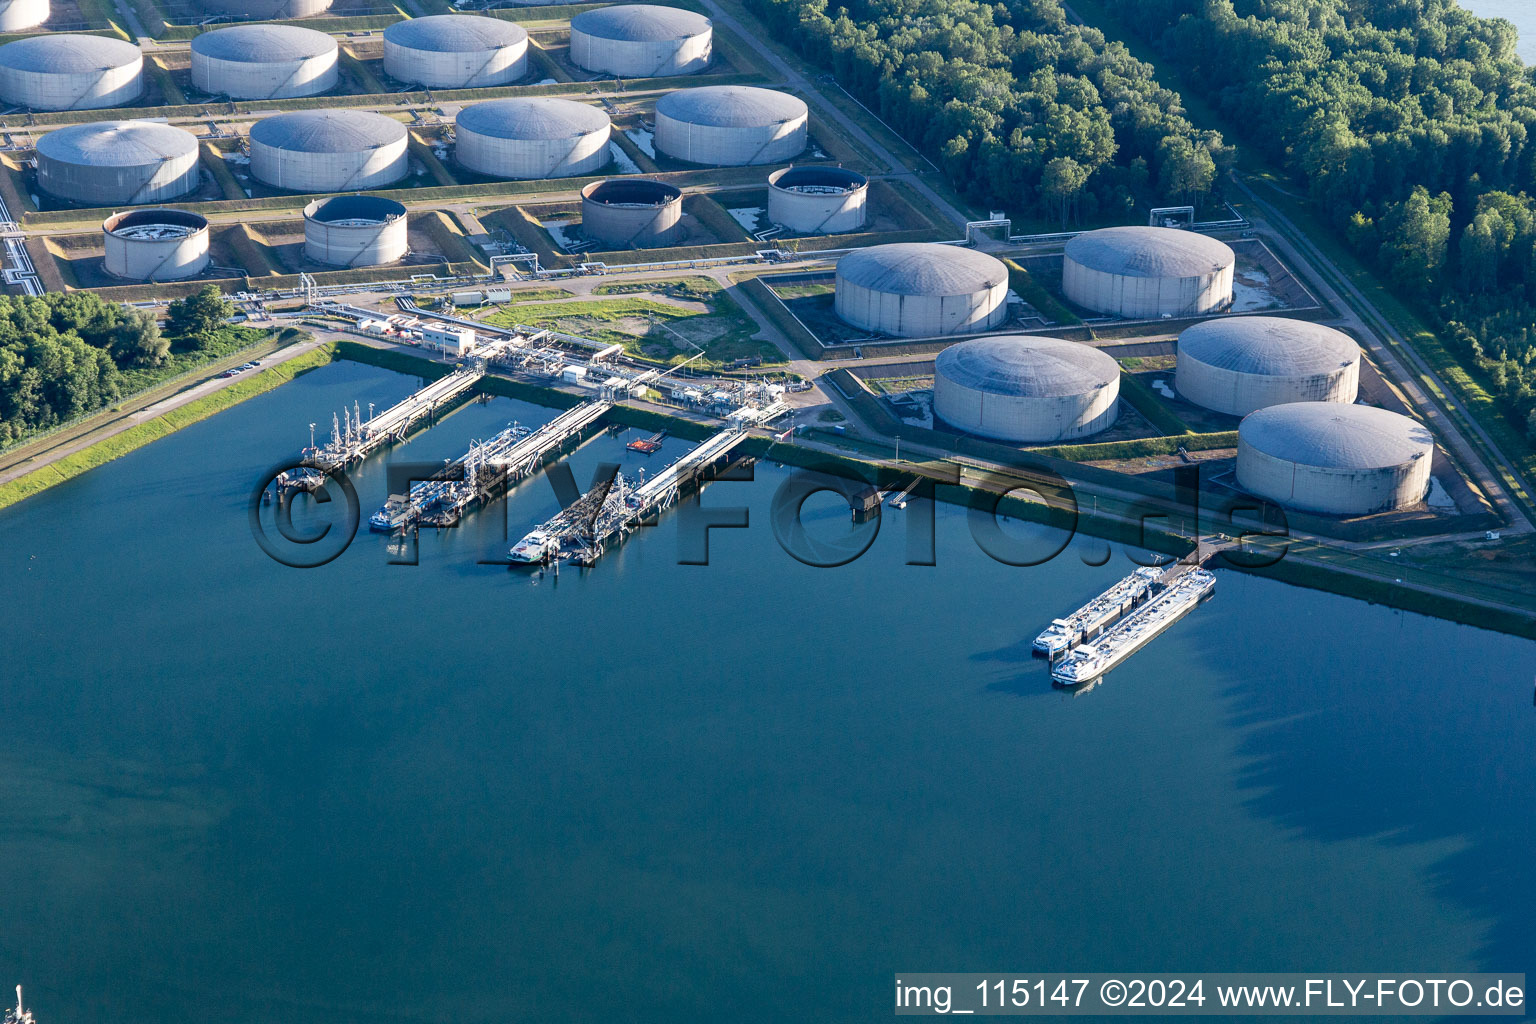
<point x="1036" y="294"/>
<point x="1146" y="402"/>
<point x="760" y="295"/>
<point x="137" y="436"/>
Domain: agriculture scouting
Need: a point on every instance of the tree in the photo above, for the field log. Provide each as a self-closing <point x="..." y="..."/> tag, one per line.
<point x="1187" y="170"/>
<point x="1061" y="182"/>
<point x="137" y="340"/>
<point x="199" y="316"/>
<point x="1416" y="234"/>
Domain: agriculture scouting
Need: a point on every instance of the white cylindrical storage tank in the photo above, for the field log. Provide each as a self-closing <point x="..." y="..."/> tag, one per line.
<point x="355" y="231"/>
<point x="118" y="162"/>
<point x="641" y="41"/>
<point x="70" y="72"/>
<point x="1023" y="388"/>
<point x="328" y="150"/>
<point x="921" y="290"/>
<point x="1143" y="272"/>
<point x="155" y="245"/>
<point x="455" y="51"/>
<point x="1237" y="365"/>
<point x="264" y="62"/>
<point x="730" y="125"/>
<point x="268" y="10"/>
<point x="1338" y="459"/>
<point x="818" y="200"/>
<point x="20" y="15"/>
<point x="632" y="213"/>
<point x="532" y="137"/>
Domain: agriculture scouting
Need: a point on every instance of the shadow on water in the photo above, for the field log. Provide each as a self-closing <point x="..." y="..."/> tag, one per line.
<point x="1399" y="734"/>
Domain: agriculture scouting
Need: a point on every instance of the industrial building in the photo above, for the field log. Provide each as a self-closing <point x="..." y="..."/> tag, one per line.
<point x="1144" y="272"/>
<point x="1237" y="365"/>
<point x="70" y="72"/>
<point x="267" y="10"/>
<point x="1026" y="389"/>
<point x="355" y="231"/>
<point x="818" y="200"/>
<point x="921" y="290"/>
<point x="632" y="213"/>
<point x="155" y="245"/>
<point x="1338" y="459"/>
<point x="118" y="163"/>
<point x="641" y="41"/>
<point x="328" y="150"/>
<point x="731" y="125"/>
<point x="20" y="15"/>
<point x="455" y="51"/>
<point x="530" y="137"/>
<point x="264" y="62"/>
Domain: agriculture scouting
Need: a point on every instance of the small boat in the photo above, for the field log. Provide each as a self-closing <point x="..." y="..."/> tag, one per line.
<point x="647" y="445"/>
<point x="20" y="1015"/>
<point x="538" y="546"/>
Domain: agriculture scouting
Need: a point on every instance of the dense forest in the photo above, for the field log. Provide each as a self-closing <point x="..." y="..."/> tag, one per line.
<point x="63" y="355"/>
<point x="1411" y="123"/>
<point x="1020" y="108"/>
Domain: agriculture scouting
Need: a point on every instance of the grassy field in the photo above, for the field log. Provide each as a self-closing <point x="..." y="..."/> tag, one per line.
<point x="697" y="289"/>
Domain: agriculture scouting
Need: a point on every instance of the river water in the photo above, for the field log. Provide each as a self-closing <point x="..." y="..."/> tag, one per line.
<point x="232" y="791"/>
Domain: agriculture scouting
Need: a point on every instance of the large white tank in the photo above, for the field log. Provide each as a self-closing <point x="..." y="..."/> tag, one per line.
<point x="125" y="163"/>
<point x="641" y="41"/>
<point x="731" y="125"/>
<point x="1338" y="459"/>
<point x="70" y="72"/>
<point x="921" y="290"/>
<point x="818" y="200"/>
<point x="1239" y="364"/>
<point x="268" y="10"/>
<point x="1144" y="272"/>
<point x="455" y="51"/>
<point x="355" y="231"/>
<point x="632" y="213"/>
<point x="20" y="15"/>
<point x="328" y="150"/>
<point x="1026" y="389"/>
<point x="264" y="62"/>
<point x="155" y="245"/>
<point x="529" y="137"/>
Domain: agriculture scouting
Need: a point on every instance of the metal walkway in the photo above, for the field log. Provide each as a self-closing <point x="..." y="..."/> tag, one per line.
<point x="353" y="440"/>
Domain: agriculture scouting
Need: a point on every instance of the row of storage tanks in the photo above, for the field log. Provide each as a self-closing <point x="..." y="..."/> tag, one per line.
<point x="448" y="51"/>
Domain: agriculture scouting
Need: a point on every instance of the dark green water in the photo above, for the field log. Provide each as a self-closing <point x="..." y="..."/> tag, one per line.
<point x="232" y="791"/>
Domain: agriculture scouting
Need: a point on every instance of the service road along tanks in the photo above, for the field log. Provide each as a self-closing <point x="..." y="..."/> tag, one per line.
<point x="455" y="51"/>
<point x="641" y="41"/>
<point x="118" y="162"/>
<point x="529" y="137"/>
<point x="1338" y="459"/>
<point x="155" y="245"/>
<point x="1143" y="272"/>
<point x="1239" y="364"/>
<point x="1026" y="389"/>
<point x="921" y="290"/>
<point x="632" y="213"/>
<point x="328" y="150"/>
<point x="70" y="72"/>
<point x="17" y="15"/>
<point x="730" y="125"/>
<point x="264" y="62"/>
<point x="355" y="231"/>
<point x="817" y="200"/>
<point x="268" y="10"/>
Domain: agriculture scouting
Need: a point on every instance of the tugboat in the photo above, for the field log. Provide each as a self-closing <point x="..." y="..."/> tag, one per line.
<point x="647" y="445"/>
<point x="20" y="1015"/>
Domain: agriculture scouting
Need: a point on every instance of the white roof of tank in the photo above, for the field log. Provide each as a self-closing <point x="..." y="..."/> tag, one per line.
<point x="1335" y="436"/>
<point x="532" y="117"/>
<point x="328" y="131"/>
<point x="68" y="54"/>
<point x="1150" y="252"/>
<point x="1274" y="346"/>
<point x="116" y="143"/>
<point x="1026" y="367"/>
<point x="731" y="106"/>
<point x="455" y="33"/>
<point x="640" y="23"/>
<point x="922" y="268"/>
<point x="263" y="44"/>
